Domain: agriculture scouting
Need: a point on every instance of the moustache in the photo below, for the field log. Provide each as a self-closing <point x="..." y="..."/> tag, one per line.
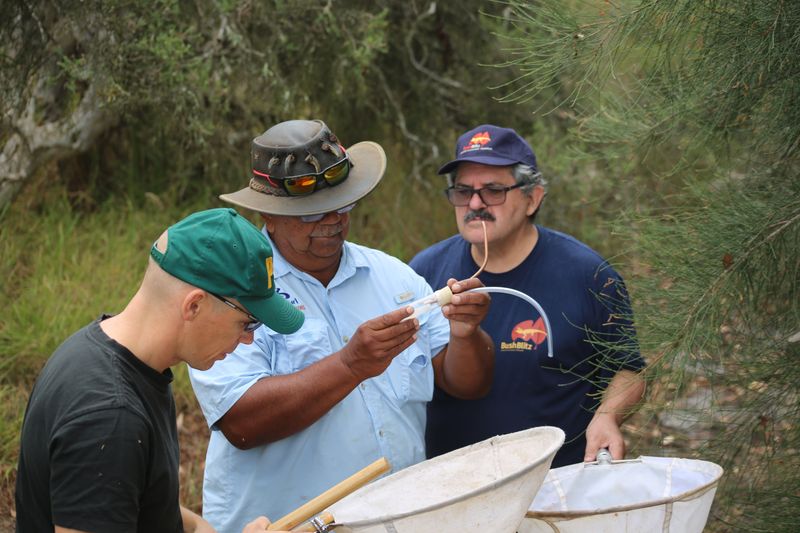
<point x="327" y="230"/>
<point x="481" y="214"/>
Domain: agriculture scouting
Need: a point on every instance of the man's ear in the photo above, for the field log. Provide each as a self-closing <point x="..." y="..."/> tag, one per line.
<point x="537" y="197"/>
<point x="192" y="304"/>
<point x="269" y="222"/>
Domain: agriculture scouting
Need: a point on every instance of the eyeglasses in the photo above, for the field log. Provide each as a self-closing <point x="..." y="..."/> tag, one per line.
<point x="461" y="196"/>
<point x="320" y="216"/>
<point x="308" y="183"/>
<point x="254" y="323"/>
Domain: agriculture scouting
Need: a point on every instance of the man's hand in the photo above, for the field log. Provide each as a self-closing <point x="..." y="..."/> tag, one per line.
<point x="194" y="523"/>
<point x="278" y="406"/>
<point x="465" y="367"/>
<point x="258" y="525"/>
<point x="619" y="400"/>
<point x="603" y="432"/>
<point x="376" y="342"/>
<point x="466" y="311"/>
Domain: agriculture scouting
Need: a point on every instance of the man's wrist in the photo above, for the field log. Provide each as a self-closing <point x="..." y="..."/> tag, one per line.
<point x="608" y="415"/>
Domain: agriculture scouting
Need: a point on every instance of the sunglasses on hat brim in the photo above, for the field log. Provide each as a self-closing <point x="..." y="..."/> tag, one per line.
<point x="308" y="183"/>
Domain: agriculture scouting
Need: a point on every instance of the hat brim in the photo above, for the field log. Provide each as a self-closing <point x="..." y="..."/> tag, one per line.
<point x="276" y="312"/>
<point x="493" y="161"/>
<point x="369" y="165"/>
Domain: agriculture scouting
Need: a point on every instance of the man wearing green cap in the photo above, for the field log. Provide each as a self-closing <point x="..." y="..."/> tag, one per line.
<point x="99" y="444"/>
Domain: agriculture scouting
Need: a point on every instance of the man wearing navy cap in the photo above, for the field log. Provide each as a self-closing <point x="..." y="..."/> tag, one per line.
<point x="591" y="383"/>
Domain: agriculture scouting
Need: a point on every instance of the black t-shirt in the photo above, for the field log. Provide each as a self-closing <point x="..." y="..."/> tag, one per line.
<point x="99" y="445"/>
<point x="586" y="303"/>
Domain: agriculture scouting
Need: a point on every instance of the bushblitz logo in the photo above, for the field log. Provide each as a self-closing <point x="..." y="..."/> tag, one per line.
<point x="477" y="142"/>
<point x="291" y="299"/>
<point x="526" y="336"/>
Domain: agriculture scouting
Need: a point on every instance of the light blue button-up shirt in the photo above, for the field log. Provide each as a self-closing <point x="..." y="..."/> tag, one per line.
<point x="383" y="416"/>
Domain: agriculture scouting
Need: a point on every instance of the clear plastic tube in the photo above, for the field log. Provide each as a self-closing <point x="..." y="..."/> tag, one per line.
<point x="443" y="296"/>
<point x="428" y="303"/>
<point x="534" y="303"/>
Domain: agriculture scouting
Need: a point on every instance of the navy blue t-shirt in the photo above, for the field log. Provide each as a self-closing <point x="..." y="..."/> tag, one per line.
<point x="592" y="333"/>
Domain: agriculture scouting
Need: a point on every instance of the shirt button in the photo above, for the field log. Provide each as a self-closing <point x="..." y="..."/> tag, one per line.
<point x="345" y="339"/>
<point x="380" y="432"/>
<point x="363" y="386"/>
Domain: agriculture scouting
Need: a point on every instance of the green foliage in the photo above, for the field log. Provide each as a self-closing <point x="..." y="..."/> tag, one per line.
<point x="722" y="288"/>
<point x="12" y="405"/>
<point x="683" y="114"/>
<point x="648" y="74"/>
<point x="193" y="82"/>
<point x="62" y="269"/>
<point x="698" y="101"/>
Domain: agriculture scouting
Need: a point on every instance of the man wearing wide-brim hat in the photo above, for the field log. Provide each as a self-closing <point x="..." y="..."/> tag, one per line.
<point x="295" y="414"/>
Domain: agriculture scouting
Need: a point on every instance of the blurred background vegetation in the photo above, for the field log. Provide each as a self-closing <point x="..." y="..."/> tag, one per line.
<point x="669" y="132"/>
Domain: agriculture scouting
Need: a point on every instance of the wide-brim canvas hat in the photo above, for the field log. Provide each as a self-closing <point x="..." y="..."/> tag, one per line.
<point x="300" y="147"/>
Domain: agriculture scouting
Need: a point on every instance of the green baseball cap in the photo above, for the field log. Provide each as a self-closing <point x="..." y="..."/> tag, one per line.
<point x="219" y="251"/>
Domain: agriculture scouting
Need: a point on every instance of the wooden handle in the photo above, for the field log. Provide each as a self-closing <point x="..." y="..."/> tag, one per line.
<point x="332" y="495"/>
<point x="325" y="518"/>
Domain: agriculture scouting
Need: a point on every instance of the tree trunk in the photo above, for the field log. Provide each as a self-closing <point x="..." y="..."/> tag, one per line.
<point x="31" y="142"/>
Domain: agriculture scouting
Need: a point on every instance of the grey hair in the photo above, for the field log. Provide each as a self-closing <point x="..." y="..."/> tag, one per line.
<point x="528" y="175"/>
<point x="531" y="177"/>
<point x="522" y="174"/>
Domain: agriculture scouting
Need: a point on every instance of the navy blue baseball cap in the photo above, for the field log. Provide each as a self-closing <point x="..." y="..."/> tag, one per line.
<point x="491" y="145"/>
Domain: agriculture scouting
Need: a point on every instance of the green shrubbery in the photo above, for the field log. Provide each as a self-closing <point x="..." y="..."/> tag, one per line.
<point x="683" y="116"/>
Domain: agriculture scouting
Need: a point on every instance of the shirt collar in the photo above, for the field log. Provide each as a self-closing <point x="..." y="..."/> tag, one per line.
<point x="352" y="259"/>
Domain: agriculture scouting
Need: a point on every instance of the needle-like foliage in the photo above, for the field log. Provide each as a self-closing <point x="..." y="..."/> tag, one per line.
<point x="704" y="96"/>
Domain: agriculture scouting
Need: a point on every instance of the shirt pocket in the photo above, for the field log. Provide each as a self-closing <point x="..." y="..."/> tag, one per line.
<point x="305" y="347"/>
<point x="410" y="376"/>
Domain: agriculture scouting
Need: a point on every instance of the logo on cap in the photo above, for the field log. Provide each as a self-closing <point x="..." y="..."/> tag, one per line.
<point x="478" y="141"/>
<point x="268" y="264"/>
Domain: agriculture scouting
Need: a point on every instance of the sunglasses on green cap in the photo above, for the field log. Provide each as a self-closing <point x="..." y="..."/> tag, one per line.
<point x="308" y="183"/>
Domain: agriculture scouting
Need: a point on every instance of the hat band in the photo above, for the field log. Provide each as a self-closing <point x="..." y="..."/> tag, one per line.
<point x="259" y="185"/>
<point x="304" y="184"/>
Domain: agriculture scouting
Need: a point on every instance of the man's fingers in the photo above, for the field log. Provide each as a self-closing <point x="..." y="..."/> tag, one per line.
<point x="479" y="299"/>
<point x="405" y="344"/>
<point x="617" y="449"/>
<point x="389" y="319"/>
<point x="259" y="524"/>
<point x="458" y="286"/>
<point x="470" y="308"/>
<point x="388" y="340"/>
<point x="390" y="325"/>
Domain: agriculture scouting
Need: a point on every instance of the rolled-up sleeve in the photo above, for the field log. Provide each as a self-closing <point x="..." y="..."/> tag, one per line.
<point x="221" y="386"/>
